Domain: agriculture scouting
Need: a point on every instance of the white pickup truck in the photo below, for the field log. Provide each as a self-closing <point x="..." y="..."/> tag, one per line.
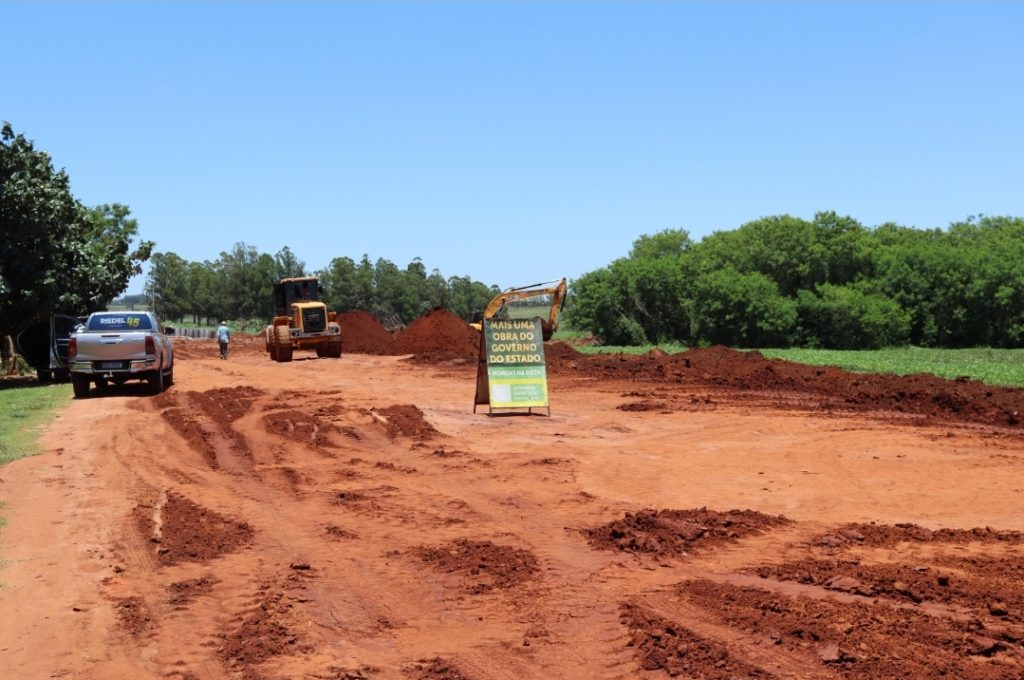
<point x="120" y="346"/>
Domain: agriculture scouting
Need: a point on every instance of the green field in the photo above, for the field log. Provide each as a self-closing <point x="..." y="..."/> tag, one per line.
<point x="24" y="412"/>
<point x="992" y="366"/>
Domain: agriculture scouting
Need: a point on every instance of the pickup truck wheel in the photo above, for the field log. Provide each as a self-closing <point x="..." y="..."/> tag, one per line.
<point x="169" y="380"/>
<point x="156" y="382"/>
<point x="80" y="386"/>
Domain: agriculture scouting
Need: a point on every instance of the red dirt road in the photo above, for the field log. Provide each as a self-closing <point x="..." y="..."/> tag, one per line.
<point x="353" y="518"/>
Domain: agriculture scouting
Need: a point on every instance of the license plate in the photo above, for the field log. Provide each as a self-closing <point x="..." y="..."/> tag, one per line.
<point x="110" y="364"/>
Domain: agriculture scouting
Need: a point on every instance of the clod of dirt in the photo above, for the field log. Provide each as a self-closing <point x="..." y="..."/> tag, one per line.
<point x="336" y="532"/>
<point x="362" y="333"/>
<point x="661" y="645"/>
<point x="335" y="673"/>
<point x="672" y="533"/>
<point x="436" y="669"/>
<point x="484" y="565"/>
<point x="183" y="592"/>
<point x="184" y="531"/>
<point x="643" y="406"/>
<point x="134" y="616"/>
<point x="406" y="420"/>
<point x="438" y="333"/>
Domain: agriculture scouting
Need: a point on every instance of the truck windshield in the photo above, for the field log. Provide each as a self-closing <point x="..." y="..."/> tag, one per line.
<point x="120" y="322"/>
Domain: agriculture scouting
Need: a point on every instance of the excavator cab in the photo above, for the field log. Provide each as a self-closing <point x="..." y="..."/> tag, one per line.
<point x="525" y="302"/>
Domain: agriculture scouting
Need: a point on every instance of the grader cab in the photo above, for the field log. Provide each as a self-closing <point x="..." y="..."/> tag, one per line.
<point x="301" y="321"/>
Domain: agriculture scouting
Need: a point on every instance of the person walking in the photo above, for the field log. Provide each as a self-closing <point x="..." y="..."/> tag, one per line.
<point x="223" y="337"/>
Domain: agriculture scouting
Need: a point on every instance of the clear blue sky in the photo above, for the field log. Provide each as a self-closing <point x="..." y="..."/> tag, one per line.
<point x="516" y="142"/>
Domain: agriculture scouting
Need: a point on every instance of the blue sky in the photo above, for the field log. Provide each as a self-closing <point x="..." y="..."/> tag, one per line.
<point x="516" y="142"/>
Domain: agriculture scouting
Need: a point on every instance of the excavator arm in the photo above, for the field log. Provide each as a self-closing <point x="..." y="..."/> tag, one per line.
<point x="512" y="295"/>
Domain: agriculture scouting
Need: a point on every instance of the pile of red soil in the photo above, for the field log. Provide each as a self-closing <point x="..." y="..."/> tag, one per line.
<point x="483" y="565"/>
<point x="869" y="639"/>
<point x="884" y="535"/>
<point x="831" y="388"/>
<point x="662" y="645"/>
<point x="985" y="594"/>
<point x="185" y="531"/>
<point x="436" y="669"/>
<point x="672" y="533"/>
<point x="362" y="333"/>
<point x="439" y="334"/>
<point x="406" y="420"/>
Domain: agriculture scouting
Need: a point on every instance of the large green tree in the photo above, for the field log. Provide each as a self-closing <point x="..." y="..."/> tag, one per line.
<point x="55" y="253"/>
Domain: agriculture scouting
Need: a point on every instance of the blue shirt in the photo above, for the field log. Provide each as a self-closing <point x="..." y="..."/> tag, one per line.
<point x="223" y="333"/>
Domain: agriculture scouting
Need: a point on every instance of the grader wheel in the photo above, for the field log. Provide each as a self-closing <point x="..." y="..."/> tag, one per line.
<point x="283" y="344"/>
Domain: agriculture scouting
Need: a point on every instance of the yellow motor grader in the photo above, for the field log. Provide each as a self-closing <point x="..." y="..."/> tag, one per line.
<point x="540" y="299"/>
<point x="301" y="321"/>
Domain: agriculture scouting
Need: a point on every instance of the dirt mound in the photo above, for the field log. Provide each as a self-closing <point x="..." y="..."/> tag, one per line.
<point x="560" y="352"/>
<point x="265" y="631"/>
<point x="884" y="535"/>
<point x="302" y="427"/>
<point x="484" y="565"/>
<point x="996" y="589"/>
<point x="184" y="531"/>
<point x="204" y="419"/>
<point x="868" y="640"/>
<point x="661" y="645"/>
<point x="406" y="420"/>
<point x="831" y="388"/>
<point x="439" y="333"/>
<point x="133" y="615"/>
<point x="436" y="669"/>
<point x="643" y="406"/>
<point x="183" y="592"/>
<point x="362" y="333"/>
<point x="672" y="533"/>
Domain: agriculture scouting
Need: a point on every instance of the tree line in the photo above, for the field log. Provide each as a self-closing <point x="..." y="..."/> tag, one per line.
<point x="829" y="282"/>
<point x="777" y="281"/>
<point x="239" y="284"/>
<point x="56" y="254"/>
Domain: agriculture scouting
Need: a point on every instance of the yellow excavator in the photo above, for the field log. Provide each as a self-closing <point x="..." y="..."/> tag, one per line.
<point x="525" y="302"/>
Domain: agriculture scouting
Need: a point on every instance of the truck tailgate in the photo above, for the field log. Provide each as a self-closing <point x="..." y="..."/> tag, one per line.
<point x="111" y="346"/>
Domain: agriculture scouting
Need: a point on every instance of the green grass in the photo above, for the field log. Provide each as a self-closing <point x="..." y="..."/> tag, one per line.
<point x="992" y="366"/>
<point x="24" y="412"/>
